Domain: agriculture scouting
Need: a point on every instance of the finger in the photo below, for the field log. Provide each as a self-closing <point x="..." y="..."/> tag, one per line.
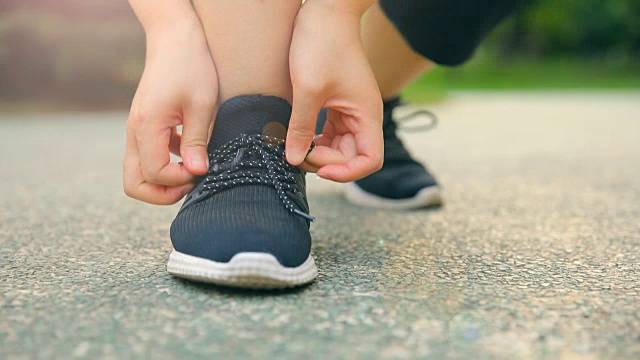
<point x="324" y="155"/>
<point x="160" y="194"/>
<point x="354" y="170"/>
<point x="302" y="126"/>
<point x="306" y="167"/>
<point x="155" y="163"/>
<point x="369" y="150"/>
<point x="174" y="142"/>
<point x="195" y="137"/>
<point x="136" y="187"/>
<point x="322" y="140"/>
<point x="335" y="124"/>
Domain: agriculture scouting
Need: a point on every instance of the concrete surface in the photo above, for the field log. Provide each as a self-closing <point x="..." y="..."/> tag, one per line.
<point x="535" y="255"/>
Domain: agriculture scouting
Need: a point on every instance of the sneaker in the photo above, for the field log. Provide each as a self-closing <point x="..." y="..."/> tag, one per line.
<point x="402" y="183"/>
<point x="246" y="223"/>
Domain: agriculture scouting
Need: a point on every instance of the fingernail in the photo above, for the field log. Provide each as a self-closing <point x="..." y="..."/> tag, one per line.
<point x="292" y="158"/>
<point x="198" y="163"/>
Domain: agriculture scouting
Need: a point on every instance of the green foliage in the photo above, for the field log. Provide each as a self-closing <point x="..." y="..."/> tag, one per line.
<point x="588" y="28"/>
<point x="552" y="45"/>
<point x="484" y="73"/>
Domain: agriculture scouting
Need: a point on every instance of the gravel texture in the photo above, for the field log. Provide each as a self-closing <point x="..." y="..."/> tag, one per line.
<point x="536" y="253"/>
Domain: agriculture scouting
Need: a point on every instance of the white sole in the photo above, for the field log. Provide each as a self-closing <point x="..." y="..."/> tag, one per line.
<point x="429" y="196"/>
<point x="246" y="270"/>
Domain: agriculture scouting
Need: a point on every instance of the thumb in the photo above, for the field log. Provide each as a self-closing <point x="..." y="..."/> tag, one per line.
<point x="195" y="136"/>
<point x="302" y="126"/>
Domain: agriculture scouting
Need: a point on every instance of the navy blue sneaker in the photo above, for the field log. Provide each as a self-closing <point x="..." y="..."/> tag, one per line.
<point x="403" y="183"/>
<point x="246" y="223"/>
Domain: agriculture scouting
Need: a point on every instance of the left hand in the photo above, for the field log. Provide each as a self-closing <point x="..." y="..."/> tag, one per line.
<point x="329" y="69"/>
<point x="179" y="86"/>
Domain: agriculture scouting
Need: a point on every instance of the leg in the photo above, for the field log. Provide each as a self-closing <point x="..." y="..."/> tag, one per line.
<point x="419" y="33"/>
<point x="249" y="42"/>
<point x="246" y="223"/>
<point x="394" y="63"/>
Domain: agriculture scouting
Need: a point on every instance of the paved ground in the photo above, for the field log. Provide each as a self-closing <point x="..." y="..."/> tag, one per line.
<point x="535" y="255"/>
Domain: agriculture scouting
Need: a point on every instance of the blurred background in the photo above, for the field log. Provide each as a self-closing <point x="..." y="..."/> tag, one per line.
<point x="66" y="55"/>
<point x="536" y="254"/>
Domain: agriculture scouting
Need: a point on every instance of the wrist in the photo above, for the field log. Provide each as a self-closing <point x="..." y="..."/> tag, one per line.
<point x="178" y="29"/>
<point x="174" y="17"/>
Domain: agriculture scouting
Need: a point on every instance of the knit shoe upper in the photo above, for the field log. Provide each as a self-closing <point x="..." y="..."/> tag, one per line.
<point x="251" y="200"/>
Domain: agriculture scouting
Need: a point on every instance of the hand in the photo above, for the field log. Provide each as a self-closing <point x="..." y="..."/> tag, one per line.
<point x="329" y="69"/>
<point x="179" y="86"/>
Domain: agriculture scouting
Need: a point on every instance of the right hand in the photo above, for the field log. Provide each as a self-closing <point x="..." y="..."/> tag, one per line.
<point x="179" y="86"/>
<point x="329" y="69"/>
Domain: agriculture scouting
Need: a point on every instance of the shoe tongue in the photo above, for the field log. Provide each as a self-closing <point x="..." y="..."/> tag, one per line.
<point x="250" y="115"/>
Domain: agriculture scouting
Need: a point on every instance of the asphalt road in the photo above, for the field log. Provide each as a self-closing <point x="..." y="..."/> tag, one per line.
<point x="535" y="254"/>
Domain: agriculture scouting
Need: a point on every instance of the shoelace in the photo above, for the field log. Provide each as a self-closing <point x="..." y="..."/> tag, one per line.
<point x="391" y="126"/>
<point x="239" y="163"/>
<point x="433" y="121"/>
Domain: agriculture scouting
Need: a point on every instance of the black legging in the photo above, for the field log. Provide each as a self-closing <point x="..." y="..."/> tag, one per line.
<point x="447" y="32"/>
